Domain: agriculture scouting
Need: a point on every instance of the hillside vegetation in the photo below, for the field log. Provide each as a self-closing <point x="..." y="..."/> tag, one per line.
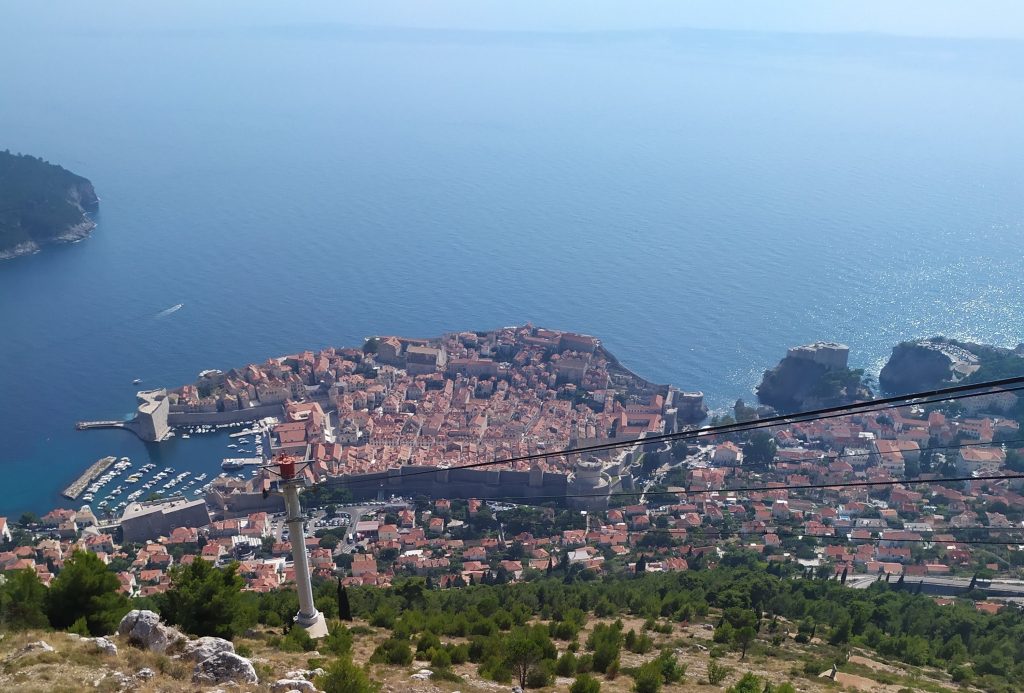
<point x="40" y="203"/>
<point x="664" y="631"/>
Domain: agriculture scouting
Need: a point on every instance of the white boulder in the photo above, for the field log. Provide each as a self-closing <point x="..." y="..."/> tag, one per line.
<point x="203" y="648"/>
<point x="105" y="645"/>
<point x="223" y="667"/>
<point x="36" y="646"/>
<point x="143" y="628"/>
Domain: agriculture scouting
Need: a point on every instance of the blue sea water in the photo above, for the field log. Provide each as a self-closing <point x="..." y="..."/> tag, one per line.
<point x="699" y="200"/>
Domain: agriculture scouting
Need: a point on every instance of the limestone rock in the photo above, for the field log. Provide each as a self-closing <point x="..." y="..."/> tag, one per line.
<point x="308" y="674"/>
<point x="105" y="645"/>
<point x="36" y="646"/>
<point x="145" y="674"/>
<point x="203" y="648"/>
<point x="223" y="667"/>
<point x="143" y="628"/>
<point x="282" y="685"/>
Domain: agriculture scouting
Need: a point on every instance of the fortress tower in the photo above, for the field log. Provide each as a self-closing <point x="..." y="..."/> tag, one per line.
<point x="151" y="417"/>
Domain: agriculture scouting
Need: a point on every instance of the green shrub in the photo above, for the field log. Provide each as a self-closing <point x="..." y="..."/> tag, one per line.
<point x="747" y="684"/>
<point x="459" y="653"/>
<point x="383" y="618"/>
<point x="392" y="651"/>
<point x="495" y="669"/>
<point x="647" y="678"/>
<point x="541" y="675"/>
<point x="566" y="665"/>
<point x="961" y="674"/>
<point x="671" y="670"/>
<point x="427" y="642"/>
<point x="641" y="644"/>
<point x="612" y="669"/>
<point x="338" y="641"/>
<point x="439" y="657"/>
<point x="343" y="676"/>
<point x="585" y="683"/>
<point x="716" y="672"/>
<point x="563" y="630"/>
<point x="298" y="640"/>
<point x="444" y="674"/>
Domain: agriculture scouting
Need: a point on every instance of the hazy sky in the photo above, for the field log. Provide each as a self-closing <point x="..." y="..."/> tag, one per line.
<point x="959" y="18"/>
<point x="987" y="18"/>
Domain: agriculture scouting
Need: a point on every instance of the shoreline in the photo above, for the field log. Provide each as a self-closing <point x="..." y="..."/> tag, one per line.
<point x="72" y="234"/>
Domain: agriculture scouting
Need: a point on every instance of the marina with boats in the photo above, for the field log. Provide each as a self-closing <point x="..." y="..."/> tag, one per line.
<point x="111" y="483"/>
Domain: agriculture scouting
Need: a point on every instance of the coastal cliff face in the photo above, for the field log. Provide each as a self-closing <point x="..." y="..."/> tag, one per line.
<point x="808" y="379"/>
<point x="41" y="203"/>
<point x="921" y="365"/>
<point x="928" y="364"/>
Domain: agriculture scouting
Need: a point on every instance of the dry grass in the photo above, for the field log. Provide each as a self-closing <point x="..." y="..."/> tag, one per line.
<point x="76" y="666"/>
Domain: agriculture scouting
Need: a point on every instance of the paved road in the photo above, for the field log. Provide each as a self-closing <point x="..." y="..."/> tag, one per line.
<point x="949" y="586"/>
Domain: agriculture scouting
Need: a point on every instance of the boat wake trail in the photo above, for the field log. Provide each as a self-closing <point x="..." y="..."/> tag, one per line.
<point x="167" y="311"/>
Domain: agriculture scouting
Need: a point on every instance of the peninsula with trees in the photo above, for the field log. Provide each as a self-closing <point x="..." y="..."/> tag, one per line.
<point x="41" y="203"/>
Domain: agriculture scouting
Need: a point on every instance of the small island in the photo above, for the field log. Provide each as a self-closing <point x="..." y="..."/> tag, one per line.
<point x="41" y="203"/>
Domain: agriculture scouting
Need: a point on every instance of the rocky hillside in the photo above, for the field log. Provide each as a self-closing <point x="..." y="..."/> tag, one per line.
<point x="928" y="364"/>
<point x="147" y="655"/>
<point x="41" y="203"/>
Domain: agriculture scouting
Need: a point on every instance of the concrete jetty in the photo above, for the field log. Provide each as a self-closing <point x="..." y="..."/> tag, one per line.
<point x="95" y="469"/>
<point x="86" y="425"/>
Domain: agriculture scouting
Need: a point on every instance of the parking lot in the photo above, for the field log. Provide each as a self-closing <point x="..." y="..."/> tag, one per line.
<point x="316" y="519"/>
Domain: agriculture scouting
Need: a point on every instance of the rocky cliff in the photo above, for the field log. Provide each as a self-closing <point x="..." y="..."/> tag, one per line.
<point x="41" y="203"/>
<point x="801" y="382"/>
<point x="927" y="364"/>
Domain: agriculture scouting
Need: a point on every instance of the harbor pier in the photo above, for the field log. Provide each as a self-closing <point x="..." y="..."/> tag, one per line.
<point x="95" y="469"/>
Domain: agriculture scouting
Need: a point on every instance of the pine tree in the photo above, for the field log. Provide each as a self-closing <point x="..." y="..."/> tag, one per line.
<point x="86" y="588"/>
<point x="843" y="578"/>
<point x="344" y="608"/>
<point x="641" y="565"/>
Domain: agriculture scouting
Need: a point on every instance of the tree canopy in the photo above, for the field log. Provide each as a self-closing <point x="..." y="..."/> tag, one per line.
<point x="205" y="600"/>
<point x="85" y="588"/>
